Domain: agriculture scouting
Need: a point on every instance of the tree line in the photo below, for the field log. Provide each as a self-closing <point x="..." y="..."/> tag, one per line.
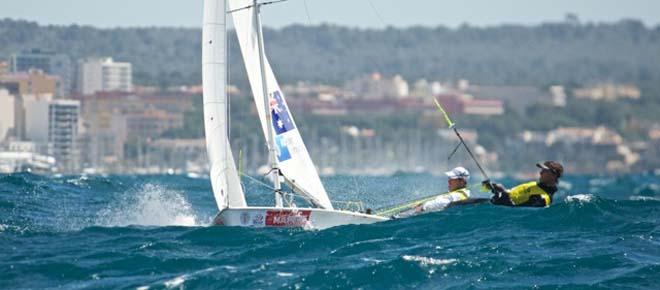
<point x="561" y="52"/>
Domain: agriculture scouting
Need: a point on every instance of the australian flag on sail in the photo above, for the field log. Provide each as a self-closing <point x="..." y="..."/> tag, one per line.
<point x="281" y="119"/>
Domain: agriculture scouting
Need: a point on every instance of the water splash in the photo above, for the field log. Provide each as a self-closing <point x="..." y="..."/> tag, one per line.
<point x="580" y="198"/>
<point x="81" y="181"/>
<point x="150" y="205"/>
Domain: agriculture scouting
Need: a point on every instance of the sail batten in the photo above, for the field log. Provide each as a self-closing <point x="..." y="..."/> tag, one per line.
<point x="292" y="155"/>
<point x="224" y="178"/>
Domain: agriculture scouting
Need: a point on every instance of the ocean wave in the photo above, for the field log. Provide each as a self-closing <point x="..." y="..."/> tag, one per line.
<point x="647" y="189"/>
<point x="80" y="236"/>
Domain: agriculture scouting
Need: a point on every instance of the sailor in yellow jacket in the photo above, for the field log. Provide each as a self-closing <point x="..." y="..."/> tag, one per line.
<point x="457" y="184"/>
<point x="534" y="193"/>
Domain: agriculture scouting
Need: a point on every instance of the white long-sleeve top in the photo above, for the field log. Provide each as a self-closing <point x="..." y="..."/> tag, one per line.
<point x="443" y="200"/>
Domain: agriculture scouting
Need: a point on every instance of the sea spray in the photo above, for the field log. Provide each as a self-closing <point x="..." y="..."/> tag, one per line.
<point x="149" y="205"/>
<point x="580" y="198"/>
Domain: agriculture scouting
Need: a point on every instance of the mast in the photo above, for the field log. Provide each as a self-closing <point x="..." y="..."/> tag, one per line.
<point x="272" y="153"/>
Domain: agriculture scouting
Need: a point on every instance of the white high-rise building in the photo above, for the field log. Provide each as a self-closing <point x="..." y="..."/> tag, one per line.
<point x="36" y="119"/>
<point x="401" y="86"/>
<point x="63" y="117"/>
<point x="7" y="113"/>
<point x="53" y="126"/>
<point x="104" y="75"/>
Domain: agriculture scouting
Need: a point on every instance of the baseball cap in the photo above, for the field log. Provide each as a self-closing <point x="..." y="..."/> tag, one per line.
<point x="554" y="167"/>
<point x="458" y="173"/>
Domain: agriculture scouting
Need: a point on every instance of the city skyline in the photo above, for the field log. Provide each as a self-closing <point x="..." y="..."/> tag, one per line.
<point x="363" y="14"/>
<point x="70" y="108"/>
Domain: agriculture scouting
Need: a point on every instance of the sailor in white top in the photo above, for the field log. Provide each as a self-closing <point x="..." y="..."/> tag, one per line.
<point x="457" y="183"/>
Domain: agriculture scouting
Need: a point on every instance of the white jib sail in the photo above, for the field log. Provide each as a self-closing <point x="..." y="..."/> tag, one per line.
<point x="293" y="157"/>
<point x="224" y="178"/>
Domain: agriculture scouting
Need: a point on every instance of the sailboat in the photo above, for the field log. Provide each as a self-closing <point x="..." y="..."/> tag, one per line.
<point x="289" y="159"/>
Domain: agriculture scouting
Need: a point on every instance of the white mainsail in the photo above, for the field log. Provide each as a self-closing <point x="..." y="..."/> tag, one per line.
<point x="224" y="178"/>
<point x="293" y="158"/>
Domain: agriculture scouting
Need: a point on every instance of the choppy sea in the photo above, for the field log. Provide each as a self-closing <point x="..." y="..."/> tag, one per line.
<point x="152" y="232"/>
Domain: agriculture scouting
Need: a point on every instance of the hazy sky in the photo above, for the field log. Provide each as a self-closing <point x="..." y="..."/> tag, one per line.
<point x="400" y="13"/>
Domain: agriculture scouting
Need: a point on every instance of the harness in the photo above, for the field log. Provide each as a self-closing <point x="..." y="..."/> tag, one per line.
<point x="462" y="191"/>
<point x="521" y="193"/>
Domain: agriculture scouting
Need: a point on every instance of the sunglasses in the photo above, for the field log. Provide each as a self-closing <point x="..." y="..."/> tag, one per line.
<point x="550" y="170"/>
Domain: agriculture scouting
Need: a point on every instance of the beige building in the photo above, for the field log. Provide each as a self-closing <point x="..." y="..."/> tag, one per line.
<point x="375" y="87"/>
<point x="4" y="67"/>
<point x="113" y="119"/>
<point x="608" y="92"/>
<point x="151" y="123"/>
<point x="483" y="107"/>
<point x="32" y="82"/>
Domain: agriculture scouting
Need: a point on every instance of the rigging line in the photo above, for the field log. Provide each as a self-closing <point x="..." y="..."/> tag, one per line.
<point x="454" y="151"/>
<point x="377" y="13"/>
<point x="258" y="4"/>
<point x="309" y="18"/>
<point x="259" y="182"/>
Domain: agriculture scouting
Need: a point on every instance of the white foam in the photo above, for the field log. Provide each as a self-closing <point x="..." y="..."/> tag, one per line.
<point x="425" y="261"/>
<point x="375" y="261"/>
<point x="176" y="282"/>
<point x="644" y="198"/>
<point x="16" y="229"/>
<point x="147" y="245"/>
<point x="284" y="274"/>
<point x="79" y="181"/>
<point x="371" y="241"/>
<point x="581" y="198"/>
<point x="230" y="269"/>
<point x="309" y="226"/>
<point x="150" y="205"/>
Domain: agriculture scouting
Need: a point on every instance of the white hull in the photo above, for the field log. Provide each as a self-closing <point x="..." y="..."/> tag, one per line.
<point x="308" y="218"/>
